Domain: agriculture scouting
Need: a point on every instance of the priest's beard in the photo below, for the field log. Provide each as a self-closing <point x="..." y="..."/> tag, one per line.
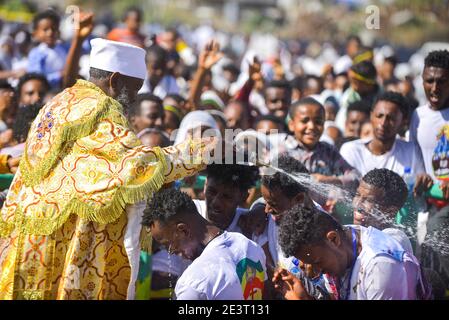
<point x="123" y="99"/>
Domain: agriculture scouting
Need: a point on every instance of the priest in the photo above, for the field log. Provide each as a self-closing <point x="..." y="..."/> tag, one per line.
<point x="70" y="226"/>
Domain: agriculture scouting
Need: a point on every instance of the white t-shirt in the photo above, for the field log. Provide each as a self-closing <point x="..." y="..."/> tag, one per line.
<point x="377" y="275"/>
<point x="430" y="130"/>
<point x="233" y="227"/>
<point x="231" y="267"/>
<point x="403" y="154"/>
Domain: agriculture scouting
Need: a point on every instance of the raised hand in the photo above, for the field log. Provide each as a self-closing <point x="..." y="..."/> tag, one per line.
<point x="84" y="25"/>
<point x="255" y="68"/>
<point x="210" y="55"/>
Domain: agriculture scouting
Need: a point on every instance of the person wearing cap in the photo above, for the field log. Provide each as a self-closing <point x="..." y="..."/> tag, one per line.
<point x="363" y="86"/>
<point x="70" y="226"/>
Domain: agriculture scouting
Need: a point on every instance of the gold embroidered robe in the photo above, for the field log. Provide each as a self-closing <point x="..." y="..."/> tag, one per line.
<point x="63" y="223"/>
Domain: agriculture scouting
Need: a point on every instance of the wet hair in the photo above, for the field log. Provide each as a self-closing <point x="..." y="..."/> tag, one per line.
<point x="133" y="9"/>
<point x="241" y="176"/>
<point x="394" y="187"/>
<point x="269" y="117"/>
<point x="135" y="108"/>
<point x="304" y="101"/>
<point x="165" y="204"/>
<point x="360" y="106"/>
<point x="283" y="182"/>
<point x="396" y="98"/>
<point x="47" y="14"/>
<point x="24" y="118"/>
<point x="32" y="76"/>
<point x="303" y="226"/>
<point x="99" y="74"/>
<point x="4" y="85"/>
<point x="365" y="69"/>
<point x="437" y="59"/>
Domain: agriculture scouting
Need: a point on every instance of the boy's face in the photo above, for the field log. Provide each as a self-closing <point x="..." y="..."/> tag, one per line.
<point x="32" y="91"/>
<point x="354" y="122"/>
<point x="47" y="32"/>
<point x="277" y="101"/>
<point x="277" y="202"/>
<point x="308" y="124"/>
<point x="222" y="201"/>
<point x="369" y="207"/>
<point x="328" y="256"/>
<point x="386" y="119"/>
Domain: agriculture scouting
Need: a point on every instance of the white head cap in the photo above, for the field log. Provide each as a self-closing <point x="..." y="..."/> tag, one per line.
<point x="119" y="57"/>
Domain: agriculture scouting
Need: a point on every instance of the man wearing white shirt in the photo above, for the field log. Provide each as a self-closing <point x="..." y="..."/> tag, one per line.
<point x="368" y="263"/>
<point x="226" y="188"/>
<point x="226" y="265"/>
<point x="385" y="150"/>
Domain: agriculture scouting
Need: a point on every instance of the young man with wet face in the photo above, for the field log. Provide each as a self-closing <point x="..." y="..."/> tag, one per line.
<point x="385" y="149"/>
<point x="380" y="195"/>
<point x="226" y="189"/>
<point x="226" y="265"/>
<point x="366" y="263"/>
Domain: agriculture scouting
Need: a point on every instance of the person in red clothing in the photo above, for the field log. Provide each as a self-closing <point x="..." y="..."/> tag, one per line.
<point x="132" y="19"/>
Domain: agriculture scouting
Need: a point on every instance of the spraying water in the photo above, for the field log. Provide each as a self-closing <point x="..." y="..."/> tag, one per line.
<point x="438" y="240"/>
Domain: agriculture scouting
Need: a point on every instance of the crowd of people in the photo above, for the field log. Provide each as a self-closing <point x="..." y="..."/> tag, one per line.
<point x="113" y="196"/>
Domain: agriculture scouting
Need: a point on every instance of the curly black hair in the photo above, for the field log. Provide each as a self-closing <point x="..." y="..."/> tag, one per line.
<point x="281" y="181"/>
<point x="241" y="176"/>
<point x="394" y="187"/>
<point x="32" y="76"/>
<point x="303" y="101"/>
<point x="437" y="59"/>
<point x="396" y="98"/>
<point x="303" y="226"/>
<point x="166" y="204"/>
<point x="47" y="14"/>
<point x="366" y="69"/>
<point x="24" y="117"/>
